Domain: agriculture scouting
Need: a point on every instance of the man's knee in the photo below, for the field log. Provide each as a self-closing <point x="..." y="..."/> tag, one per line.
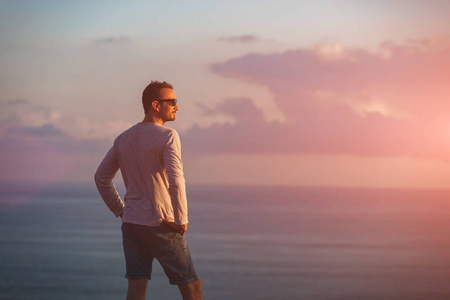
<point x="137" y="289"/>
<point x="197" y="286"/>
<point x="192" y="288"/>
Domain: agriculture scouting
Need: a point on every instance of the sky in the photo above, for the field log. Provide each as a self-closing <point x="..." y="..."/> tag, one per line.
<point x="305" y="93"/>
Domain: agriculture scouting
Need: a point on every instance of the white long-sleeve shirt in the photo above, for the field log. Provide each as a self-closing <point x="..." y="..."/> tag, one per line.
<point x="149" y="158"/>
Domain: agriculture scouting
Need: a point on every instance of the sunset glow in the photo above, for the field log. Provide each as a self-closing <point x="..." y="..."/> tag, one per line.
<point x="304" y="93"/>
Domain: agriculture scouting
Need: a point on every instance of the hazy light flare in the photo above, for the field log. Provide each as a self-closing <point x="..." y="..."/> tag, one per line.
<point x="354" y="79"/>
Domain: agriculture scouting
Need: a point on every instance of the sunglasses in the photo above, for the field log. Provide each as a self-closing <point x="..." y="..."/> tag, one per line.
<point x="173" y="101"/>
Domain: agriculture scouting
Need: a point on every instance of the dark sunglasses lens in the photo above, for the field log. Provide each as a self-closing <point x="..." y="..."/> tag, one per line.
<point x="171" y="102"/>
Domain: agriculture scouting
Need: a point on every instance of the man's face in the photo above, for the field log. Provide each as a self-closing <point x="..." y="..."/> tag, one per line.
<point x="167" y="109"/>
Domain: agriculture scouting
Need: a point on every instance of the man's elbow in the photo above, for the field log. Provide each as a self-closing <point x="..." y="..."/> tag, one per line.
<point x="98" y="178"/>
<point x="177" y="183"/>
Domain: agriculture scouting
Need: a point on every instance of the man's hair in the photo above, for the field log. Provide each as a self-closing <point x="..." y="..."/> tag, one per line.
<point x="151" y="93"/>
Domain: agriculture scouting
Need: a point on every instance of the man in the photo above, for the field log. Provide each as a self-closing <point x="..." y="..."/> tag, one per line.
<point x="154" y="216"/>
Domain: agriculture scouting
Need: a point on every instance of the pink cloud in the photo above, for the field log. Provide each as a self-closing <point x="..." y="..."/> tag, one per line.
<point x="121" y="40"/>
<point x="46" y="154"/>
<point x="246" y="38"/>
<point x="336" y="100"/>
<point x="341" y="100"/>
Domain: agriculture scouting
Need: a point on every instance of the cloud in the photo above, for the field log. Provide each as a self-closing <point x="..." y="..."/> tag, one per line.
<point x="22" y="113"/>
<point x="112" y="41"/>
<point x="34" y="141"/>
<point x="38" y="143"/>
<point x="44" y="130"/>
<point x="14" y="102"/>
<point x="340" y="100"/>
<point x="40" y="156"/>
<point x="230" y="137"/>
<point x="26" y="117"/>
<point x="247" y="38"/>
<point x="43" y="144"/>
<point x="336" y="100"/>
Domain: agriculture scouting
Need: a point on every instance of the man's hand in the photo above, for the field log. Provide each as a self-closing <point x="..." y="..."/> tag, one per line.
<point x="180" y="228"/>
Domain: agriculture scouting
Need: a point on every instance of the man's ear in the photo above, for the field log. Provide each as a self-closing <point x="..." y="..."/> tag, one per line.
<point x="155" y="105"/>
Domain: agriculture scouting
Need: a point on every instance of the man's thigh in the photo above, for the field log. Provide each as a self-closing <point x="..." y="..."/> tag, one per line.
<point x="137" y="258"/>
<point x="175" y="258"/>
<point x="143" y="243"/>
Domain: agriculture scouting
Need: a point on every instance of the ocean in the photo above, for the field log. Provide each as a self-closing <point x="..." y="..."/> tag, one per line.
<point x="247" y="242"/>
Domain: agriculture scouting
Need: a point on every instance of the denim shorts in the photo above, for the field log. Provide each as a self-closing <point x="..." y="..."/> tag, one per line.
<point x="141" y="244"/>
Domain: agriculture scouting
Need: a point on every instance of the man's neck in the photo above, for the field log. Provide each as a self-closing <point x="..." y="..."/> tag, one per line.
<point x="150" y="118"/>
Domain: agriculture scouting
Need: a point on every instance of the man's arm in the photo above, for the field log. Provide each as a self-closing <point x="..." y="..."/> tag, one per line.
<point x="180" y="228"/>
<point x="177" y="186"/>
<point x="104" y="181"/>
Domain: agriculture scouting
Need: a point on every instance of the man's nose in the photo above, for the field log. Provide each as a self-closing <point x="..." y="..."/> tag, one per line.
<point x="176" y="107"/>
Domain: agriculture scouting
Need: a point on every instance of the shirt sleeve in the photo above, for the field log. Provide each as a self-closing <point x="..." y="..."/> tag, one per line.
<point x="104" y="181"/>
<point x="177" y="186"/>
